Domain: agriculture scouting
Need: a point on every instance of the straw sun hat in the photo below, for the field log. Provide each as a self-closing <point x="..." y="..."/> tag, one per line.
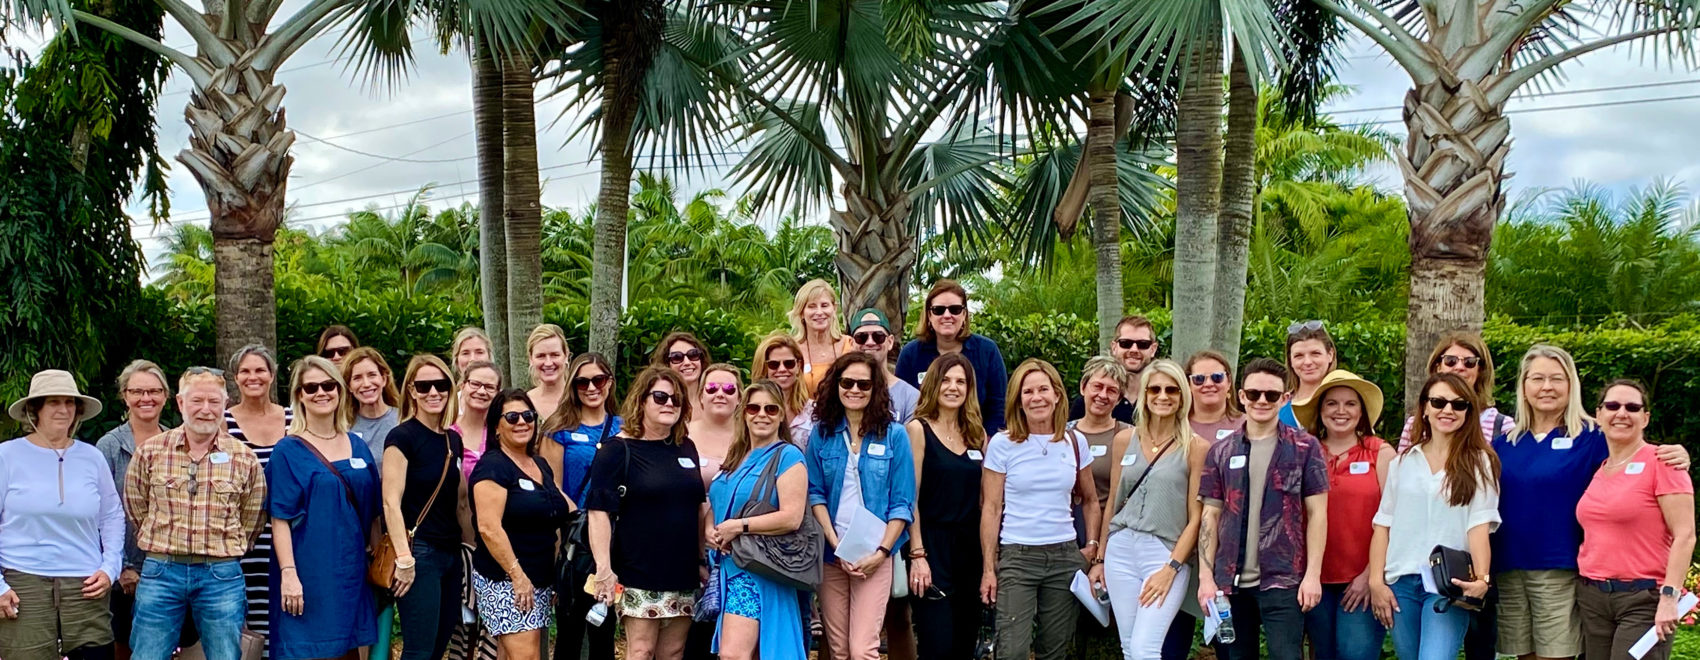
<point x="1306" y="410"/>
<point x="53" y="382"/>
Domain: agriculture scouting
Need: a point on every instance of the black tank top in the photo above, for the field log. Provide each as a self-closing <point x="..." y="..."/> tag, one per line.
<point x="950" y="484"/>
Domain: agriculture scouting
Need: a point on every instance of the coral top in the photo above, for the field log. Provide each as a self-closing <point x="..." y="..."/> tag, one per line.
<point x="1354" y="494"/>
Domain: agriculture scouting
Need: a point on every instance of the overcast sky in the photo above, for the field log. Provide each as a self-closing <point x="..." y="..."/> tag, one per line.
<point x="428" y="118"/>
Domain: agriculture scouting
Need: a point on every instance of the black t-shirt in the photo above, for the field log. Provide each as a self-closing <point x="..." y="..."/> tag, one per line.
<point x="535" y="512"/>
<point x="426" y="451"/>
<point x="656" y="541"/>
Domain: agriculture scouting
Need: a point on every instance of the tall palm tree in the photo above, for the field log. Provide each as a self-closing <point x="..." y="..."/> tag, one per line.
<point x="522" y="210"/>
<point x="1466" y="59"/>
<point x="492" y="214"/>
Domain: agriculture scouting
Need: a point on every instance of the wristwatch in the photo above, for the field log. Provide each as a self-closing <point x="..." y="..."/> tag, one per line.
<point x="1177" y="566"/>
<point x="1667" y="591"/>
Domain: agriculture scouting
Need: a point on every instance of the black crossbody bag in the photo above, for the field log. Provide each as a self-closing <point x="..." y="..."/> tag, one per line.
<point x="579" y="561"/>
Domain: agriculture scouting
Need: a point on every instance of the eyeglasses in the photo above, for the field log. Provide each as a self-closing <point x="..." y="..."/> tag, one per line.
<point x="871" y="337"/>
<point x="517" y="416"/>
<point x="1303" y="326"/>
<point x="145" y="391"/>
<point x="863" y="384"/>
<point x="1541" y="380"/>
<point x="321" y="386"/>
<point x="717" y="388"/>
<point x="665" y="399"/>
<point x="1217" y="377"/>
<point x="479" y="386"/>
<point x="1451" y="361"/>
<point x="1614" y="406"/>
<point x="1267" y="395"/>
<point x="440" y="384"/>
<point x="753" y="409"/>
<point x="781" y="364"/>
<point x="694" y="355"/>
<point x="334" y="353"/>
<point x="1438" y="403"/>
<point x="947" y="310"/>
<point x="1143" y="344"/>
<point x="596" y="382"/>
<point x="1170" y="390"/>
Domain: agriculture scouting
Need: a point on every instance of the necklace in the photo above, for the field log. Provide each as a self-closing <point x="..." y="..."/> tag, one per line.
<point x="1612" y="465"/>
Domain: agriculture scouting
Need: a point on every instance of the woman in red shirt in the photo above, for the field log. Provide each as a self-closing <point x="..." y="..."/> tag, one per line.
<point x="1342" y="415"/>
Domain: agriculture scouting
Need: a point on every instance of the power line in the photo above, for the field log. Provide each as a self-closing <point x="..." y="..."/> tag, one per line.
<point x="392" y="159"/>
<point x="379" y="164"/>
<point x="1526" y="111"/>
<point x="1566" y="92"/>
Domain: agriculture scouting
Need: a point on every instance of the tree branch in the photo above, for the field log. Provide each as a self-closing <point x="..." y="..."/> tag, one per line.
<point x="919" y="189"/>
<point x="277" y="46"/>
<point x="1503" y="37"/>
<point x="1403" y="53"/>
<point x="195" y="23"/>
<point x="838" y="162"/>
<point x="1505" y="87"/>
<point x="197" y="73"/>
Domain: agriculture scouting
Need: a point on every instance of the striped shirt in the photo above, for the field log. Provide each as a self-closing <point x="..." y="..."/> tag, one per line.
<point x="213" y="507"/>
<point x="256" y="565"/>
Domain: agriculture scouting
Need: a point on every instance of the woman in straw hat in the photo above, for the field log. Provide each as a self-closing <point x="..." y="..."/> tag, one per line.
<point x="61" y="529"/>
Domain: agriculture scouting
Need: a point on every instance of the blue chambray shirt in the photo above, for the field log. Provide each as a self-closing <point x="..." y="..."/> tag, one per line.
<point x="888" y="479"/>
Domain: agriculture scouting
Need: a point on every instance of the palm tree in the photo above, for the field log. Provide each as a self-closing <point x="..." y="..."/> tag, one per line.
<point x="409" y="242"/>
<point x="492" y="235"/>
<point x="188" y="258"/>
<point x="1466" y="59"/>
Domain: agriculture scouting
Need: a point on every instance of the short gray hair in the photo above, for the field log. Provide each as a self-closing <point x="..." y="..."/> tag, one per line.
<point x="142" y="367"/>
<point x="1104" y="365"/>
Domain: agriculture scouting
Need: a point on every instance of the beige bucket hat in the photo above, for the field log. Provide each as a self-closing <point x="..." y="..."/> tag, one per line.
<point x="1306" y="410"/>
<point x="54" y="382"/>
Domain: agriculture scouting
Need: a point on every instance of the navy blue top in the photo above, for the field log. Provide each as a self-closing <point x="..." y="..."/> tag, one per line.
<point x="1540" y="483"/>
<point x="991" y="376"/>
<point x="327" y="527"/>
<point x="578" y="449"/>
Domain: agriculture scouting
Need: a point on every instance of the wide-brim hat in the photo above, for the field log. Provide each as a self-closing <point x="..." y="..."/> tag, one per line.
<point x="54" y="382"/>
<point x="1306" y="410"/>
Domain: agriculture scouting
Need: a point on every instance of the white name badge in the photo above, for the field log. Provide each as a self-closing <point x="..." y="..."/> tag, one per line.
<point x="687" y="463"/>
<point x="357" y="463"/>
<point x="1635" y="468"/>
<point x="876" y="450"/>
<point x="1223" y="433"/>
<point x="1236" y="462"/>
<point x="1128" y="459"/>
<point x="526" y="484"/>
<point x="920" y="376"/>
<point x="1099" y="450"/>
<point x="1562" y="443"/>
<point x="218" y="458"/>
<point x="975" y="455"/>
<point x="579" y="437"/>
<point x="1358" y="467"/>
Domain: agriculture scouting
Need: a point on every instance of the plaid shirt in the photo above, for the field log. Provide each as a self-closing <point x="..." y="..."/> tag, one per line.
<point x="1297" y="470"/>
<point x="212" y="508"/>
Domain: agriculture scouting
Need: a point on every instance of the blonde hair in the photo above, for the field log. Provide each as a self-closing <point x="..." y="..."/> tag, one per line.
<point x="149" y="368"/>
<point x="798" y="397"/>
<point x="409" y="409"/>
<point x="1143" y="415"/>
<point x="1104" y="365"/>
<point x="299" y="371"/>
<point x="540" y="334"/>
<point x="473" y="332"/>
<point x="807" y="293"/>
<point x="1576" y="417"/>
<point x="1016" y="419"/>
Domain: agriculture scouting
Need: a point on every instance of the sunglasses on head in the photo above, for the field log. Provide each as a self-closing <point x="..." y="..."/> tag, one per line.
<point x="717" y="388"/>
<point x="334" y="353"/>
<point x="950" y="310"/>
<point x="1303" y="326"/>
<point x="1451" y="361"/>
<point x="871" y="337"/>
<point x="664" y="398"/>
<point x="1217" y="377"/>
<point x="1614" y="406"/>
<point x="770" y="409"/>
<point x="863" y="384"/>
<point x="1143" y="344"/>
<point x="440" y="385"/>
<point x="582" y="383"/>
<point x="694" y="355"/>
<point x="321" y="386"/>
<point x="1271" y="396"/>
<point x="517" y="416"/>
<point x="1170" y="390"/>
<point x="781" y="364"/>
<point x="1438" y="403"/>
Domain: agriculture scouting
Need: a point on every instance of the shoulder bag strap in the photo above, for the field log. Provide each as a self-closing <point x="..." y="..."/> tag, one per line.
<point x="448" y="457"/>
<point x="347" y="488"/>
<point x="1153" y="463"/>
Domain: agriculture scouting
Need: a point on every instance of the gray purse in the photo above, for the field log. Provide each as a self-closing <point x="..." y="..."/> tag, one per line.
<point x="792" y="559"/>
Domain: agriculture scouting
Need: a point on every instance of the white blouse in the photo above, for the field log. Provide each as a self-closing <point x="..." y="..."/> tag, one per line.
<point x="1418" y="517"/>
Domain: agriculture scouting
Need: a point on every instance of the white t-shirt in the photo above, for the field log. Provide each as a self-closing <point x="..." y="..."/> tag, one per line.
<point x="1417" y="517"/>
<point x="850" y="492"/>
<point x="1039" y="478"/>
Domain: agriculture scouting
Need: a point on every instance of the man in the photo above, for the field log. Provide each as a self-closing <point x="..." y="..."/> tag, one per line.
<point x="1136" y="347"/>
<point x="1265" y="493"/>
<point x="870" y="333"/>
<point x="196" y="497"/>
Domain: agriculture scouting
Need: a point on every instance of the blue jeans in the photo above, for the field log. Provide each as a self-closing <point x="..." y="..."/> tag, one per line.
<point x="1336" y="634"/>
<point x="1420" y="633"/>
<point x="213" y="592"/>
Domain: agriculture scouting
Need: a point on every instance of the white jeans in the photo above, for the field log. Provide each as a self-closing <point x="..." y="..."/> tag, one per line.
<point x="1129" y="559"/>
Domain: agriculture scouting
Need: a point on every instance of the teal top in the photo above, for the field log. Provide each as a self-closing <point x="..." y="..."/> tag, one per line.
<point x="781" y="636"/>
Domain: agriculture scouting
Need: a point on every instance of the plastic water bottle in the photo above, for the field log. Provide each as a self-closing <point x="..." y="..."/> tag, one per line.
<point x="1225" y="629"/>
<point x="598" y="613"/>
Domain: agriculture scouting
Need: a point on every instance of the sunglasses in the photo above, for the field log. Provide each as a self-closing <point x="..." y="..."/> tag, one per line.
<point x="596" y="382"/>
<point x="1453" y="360"/>
<point x="694" y="355"/>
<point x="197" y="371"/>
<point x="1217" y="377"/>
<point x="664" y="399"/>
<point x="863" y="384"/>
<point x="717" y="388"/>
<point x="1143" y="344"/>
<point x="1614" y="406"/>
<point x="1438" y="403"/>
<point x="321" y="386"/>
<point x="787" y="365"/>
<point x="194" y="484"/>
<point x="1170" y="390"/>
<point x="753" y="409"/>
<point x="1271" y="396"/>
<point x="1303" y="326"/>
<point x="425" y="386"/>
<point x="334" y="353"/>
<point x="517" y="416"/>
<point x="871" y="337"/>
<point x="943" y="310"/>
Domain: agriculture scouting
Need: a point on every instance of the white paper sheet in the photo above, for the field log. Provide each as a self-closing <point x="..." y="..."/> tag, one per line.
<point x="1428" y="580"/>
<point x="1212" y="621"/>
<point x="1082" y="588"/>
<point x="862" y="536"/>
<point x="1647" y="641"/>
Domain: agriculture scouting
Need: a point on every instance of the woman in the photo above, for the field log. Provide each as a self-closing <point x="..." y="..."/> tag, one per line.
<point x="1342" y="414"/>
<point x="777" y="358"/>
<point x="685" y="355"/>
<point x="1549" y="457"/>
<point x="520" y="513"/>
<point x="1310" y="356"/>
<point x="470" y="345"/>
<point x="61" y="529"/>
<point x="1463" y="353"/>
<point x="712" y="429"/>
<point x="324" y="499"/>
<point x="647" y="478"/>
<point x="1101" y="383"/>
<point x="1443" y="491"/>
<point x="145" y="394"/>
<point x="1215" y="410"/>
<point x="760" y="618"/>
<point x="260" y="424"/>
<point x="818" y="328"/>
<point x="335" y="343"/>
<point x="1029" y="551"/>
<point x="948" y="443"/>
<point x="944" y="329"/>
<point x="1153" y="528"/>
<point x="479" y="382"/>
<point x="585" y="420"/>
<point x="546" y="350"/>
<point x="372" y="386"/>
<point x="422" y="512"/>
<point x="1637" y="521"/>
<point x="859" y="461"/>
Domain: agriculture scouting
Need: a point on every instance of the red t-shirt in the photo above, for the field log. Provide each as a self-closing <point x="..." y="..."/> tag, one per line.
<point x="1354" y="494"/>
<point x="1624" y="536"/>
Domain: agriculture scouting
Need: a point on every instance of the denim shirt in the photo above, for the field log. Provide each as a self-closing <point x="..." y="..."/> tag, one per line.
<point x="887" y="476"/>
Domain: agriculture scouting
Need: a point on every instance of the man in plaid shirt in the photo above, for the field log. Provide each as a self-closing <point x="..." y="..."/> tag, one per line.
<point x="196" y="497"/>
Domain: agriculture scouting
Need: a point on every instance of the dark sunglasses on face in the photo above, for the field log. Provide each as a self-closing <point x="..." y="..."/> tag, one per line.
<point x="425" y="386"/>
<point x="1170" y="390"/>
<point x="334" y="353"/>
<point x="1614" y="406"/>
<point x="717" y="388"/>
<point x="863" y="384"/>
<point x="1451" y="361"/>
<point x="591" y="382"/>
<point x="694" y="355"/>
<point x="1271" y="396"/>
<point x="516" y="416"/>
<point x="1438" y="403"/>
<point x="943" y="310"/>
<point x="781" y="364"/>
<point x="753" y="409"/>
<point x="871" y="337"/>
<point x="1143" y="344"/>
<point x="1217" y="377"/>
<point x="314" y="388"/>
<point x="664" y="399"/>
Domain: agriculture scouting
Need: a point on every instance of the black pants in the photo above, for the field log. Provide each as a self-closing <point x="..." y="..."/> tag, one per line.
<point x="699" y="642"/>
<point x="1483" y="634"/>
<point x="948" y="629"/>
<point x="1273" y="612"/>
<point x="1178" y="644"/>
<point x="571" y="628"/>
<point x="430" y="609"/>
<point x="124" y="614"/>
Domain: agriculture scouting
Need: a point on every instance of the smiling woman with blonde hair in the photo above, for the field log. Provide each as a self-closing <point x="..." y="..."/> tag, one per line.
<point x="818" y="327"/>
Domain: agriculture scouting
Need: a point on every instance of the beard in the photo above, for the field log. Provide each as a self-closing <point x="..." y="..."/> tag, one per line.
<point x="204" y="427"/>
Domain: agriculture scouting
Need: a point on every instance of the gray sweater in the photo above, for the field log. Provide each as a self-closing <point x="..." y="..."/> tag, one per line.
<point x="118" y="445"/>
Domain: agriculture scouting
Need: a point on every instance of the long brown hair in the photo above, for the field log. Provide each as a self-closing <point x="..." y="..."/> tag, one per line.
<point x="798" y="396"/>
<point x="1319" y="333"/>
<point x="1472" y="464"/>
<point x="1473" y="343"/>
<point x="741" y="432"/>
<point x="1233" y="402"/>
<point x="925" y="332"/>
<point x="829" y="408"/>
<point x="632" y="409"/>
<point x="968" y="420"/>
<point x="568" y="414"/>
<point x="659" y="357"/>
<point x="389" y="395"/>
<point x="335" y="330"/>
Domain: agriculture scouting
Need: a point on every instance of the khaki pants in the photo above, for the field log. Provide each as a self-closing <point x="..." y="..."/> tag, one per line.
<point x="53" y="618"/>
<point x="1033" y="582"/>
<point x="1613" y="622"/>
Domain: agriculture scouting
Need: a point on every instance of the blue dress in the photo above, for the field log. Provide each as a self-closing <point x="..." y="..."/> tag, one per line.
<point x="781" y="636"/>
<point x="326" y="529"/>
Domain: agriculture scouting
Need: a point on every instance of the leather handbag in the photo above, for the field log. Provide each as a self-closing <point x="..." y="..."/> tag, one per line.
<point x="1447" y="564"/>
<point x="792" y="559"/>
<point x="381" y="572"/>
<point x="252" y="647"/>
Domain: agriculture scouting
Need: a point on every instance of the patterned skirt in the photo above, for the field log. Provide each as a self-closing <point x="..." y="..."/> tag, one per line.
<point x="496" y="607"/>
<point x="646" y="604"/>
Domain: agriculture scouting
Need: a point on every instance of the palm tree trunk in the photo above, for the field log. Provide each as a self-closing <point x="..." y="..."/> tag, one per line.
<point x="1239" y="199"/>
<point x="243" y="296"/>
<point x="1100" y="158"/>
<point x="492" y="236"/>
<point x="876" y="252"/>
<point x="613" y="203"/>
<point x="1198" y="190"/>
<point x="522" y="212"/>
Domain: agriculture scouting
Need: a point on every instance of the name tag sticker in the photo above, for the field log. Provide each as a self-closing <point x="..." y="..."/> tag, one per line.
<point x="357" y="463"/>
<point x="1635" y="468"/>
<point x="1223" y="433"/>
<point x="687" y="463"/>
<point x="1359" y="467"/>
<point x="1099" y="450"/>
<point x="876" y="450"/>
<point x="218" y="458"/>
<point x="527" y="484"/>
<point x="1562" y="443"/>
<point x="580" y="437"/>
<point x="1236" y="462"/>
<point x="975" y="455"/>
<point x="1128" y="459"/>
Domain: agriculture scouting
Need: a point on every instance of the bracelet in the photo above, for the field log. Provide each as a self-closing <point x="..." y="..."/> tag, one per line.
<point x="405" y="563"/>
<point x="917" y="553"/>
<point x="1091" y="542"/>
<point x="882" y="549"/>
<point x="285" y="568"/>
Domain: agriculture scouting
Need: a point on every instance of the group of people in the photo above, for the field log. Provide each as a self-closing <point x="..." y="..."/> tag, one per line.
<point x="937" y="484"/>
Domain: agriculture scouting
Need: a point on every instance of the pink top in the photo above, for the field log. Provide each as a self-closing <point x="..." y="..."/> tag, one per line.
<point x="470" y="452"/>
<point x="1624" y="536"/>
